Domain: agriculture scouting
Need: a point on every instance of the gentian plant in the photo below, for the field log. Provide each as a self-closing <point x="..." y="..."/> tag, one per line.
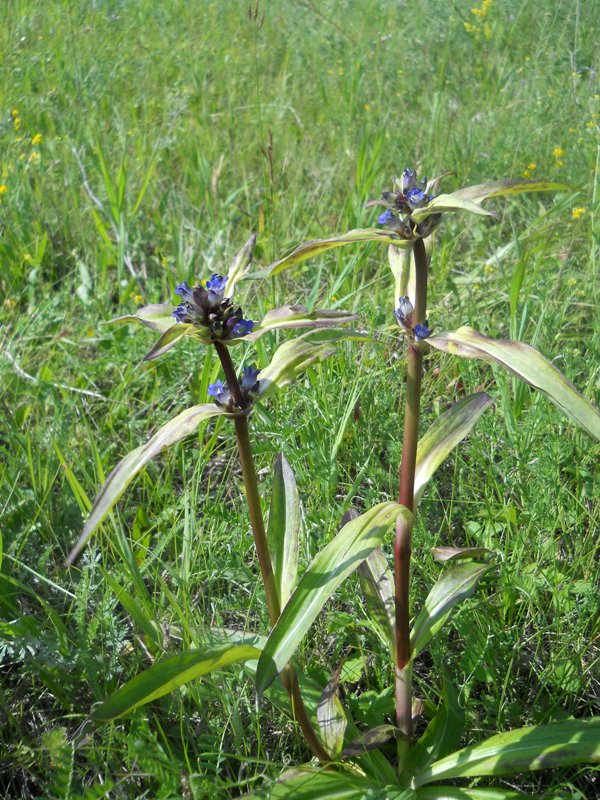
<point x="350" y="762"/>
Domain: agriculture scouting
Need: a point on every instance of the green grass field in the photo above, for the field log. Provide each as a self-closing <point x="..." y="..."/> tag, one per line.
<point x="141" y="142"/>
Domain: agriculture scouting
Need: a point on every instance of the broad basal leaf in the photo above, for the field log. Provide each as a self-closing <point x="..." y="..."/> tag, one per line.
<point x="316" y="246"/>
<point x="457" y="793"/>
<point x="119" y="479"/>
<point x="526" y="363"/>
<point x="455" y="585"/>
<point x="560" y="744"/>
<point x="309" y="783"/>
<point x="329" y="568"/>
<point x="169" y="674"/>
<point x="447" y="431"/>
<point x="283" y="533"/>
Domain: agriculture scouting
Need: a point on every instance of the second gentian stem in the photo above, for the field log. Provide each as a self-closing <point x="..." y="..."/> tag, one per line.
<point x="403" y="543"/>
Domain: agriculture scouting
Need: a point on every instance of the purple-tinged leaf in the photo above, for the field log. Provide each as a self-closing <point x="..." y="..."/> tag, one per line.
<point x="526" y="363"/>
<point x="459" y="553"/>
<point x="119" y="479"/>
<point x="445" y="433"/>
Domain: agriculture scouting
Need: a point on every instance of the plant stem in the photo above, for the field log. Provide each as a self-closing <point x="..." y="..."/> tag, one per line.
<point x="288" y="676"/>
<point x="403" y="543"/>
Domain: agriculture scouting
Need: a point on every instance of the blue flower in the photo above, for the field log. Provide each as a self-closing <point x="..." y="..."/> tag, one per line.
<point x="249" y="378"/>
<point x="184" y="291"/>
<point x="417" y="199"/>
<point x="421" y="332"/>
<point x="404" y="312"/>
<point x="386" y="218"/>
<point x="217" y="283"/>
<point x="241" y="328"/>
<point x="220" y="392"/>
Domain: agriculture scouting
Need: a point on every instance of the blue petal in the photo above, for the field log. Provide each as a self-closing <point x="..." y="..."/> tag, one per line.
<point x="385" y="218"/>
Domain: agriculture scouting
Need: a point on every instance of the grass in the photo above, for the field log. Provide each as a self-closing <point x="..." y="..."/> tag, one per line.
<point x="169" y="131"/>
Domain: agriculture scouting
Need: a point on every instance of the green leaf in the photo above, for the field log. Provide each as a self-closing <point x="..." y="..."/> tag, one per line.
<point x="456" y="793"/>
<point x="470" y="198"/>
<point x="297" y="355"/>
<point x="560" y="744"/>
<point x="283" y="533"/>
<point x="119" y="479"/>
<point x="331" y="718"/>
<point x="371" y="740"/>
<point x="455" y="585"/>
<point x="167" y="675"/>
<point x="507" y="186"/>
<point x="449" y="202"/>
<point x="377" y="583"/>
<point x="443" y="733"/>
<point x="447" y="431"/>
<point x="526" y="363"/>
<point x="169" y="338"/>
<point x="329" y="568"/>
<point x="297" y="316"/>
<point x="240" y="265"/>
<point x="158" y="317"/>
<point x="459" y="553"/>
<point x="316" y="246"/>
<point x="306" y="783"/>
<point x="402" y="264"/>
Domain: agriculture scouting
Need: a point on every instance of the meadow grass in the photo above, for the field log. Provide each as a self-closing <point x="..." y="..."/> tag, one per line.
<point x="141" y="142"/>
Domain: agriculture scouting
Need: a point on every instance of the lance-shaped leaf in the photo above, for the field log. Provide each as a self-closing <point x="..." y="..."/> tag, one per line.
<point x="507" y="186"/>
<point x="297" y="316"/>
<point x="240" y="266"/>
<point x="526" y="363"/>
<point x="560" y="744"/>
<point x="331" y="718"/>
<point x="329" y="568"/>
<point x="447" y="431"/>
<point x="377" y="583"/>
<point x="442" y="735"/>
<point x="119" y="479"/>
<point x="169" y="674"/>
<point x="158" y="317"/>
<point x="283" y="533"/>
<point x="169" y="338"/>
<point x="459" y="553"/>
<point x="455" y="585"/>
<point x="309" y="783"/>
<point x="316" y="246"/>
<point x="448" y="202"/>
<point x="458" y="793"/>
<point x="371" y="740"/>
<point x="297" y="355"/>
<point x="470" y="198"/>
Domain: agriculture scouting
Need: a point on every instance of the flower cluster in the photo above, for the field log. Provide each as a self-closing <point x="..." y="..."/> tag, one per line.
<point x="249" y="385"/>
<point x="208" y="307"/>
<point x="407" y="196"/>
<point x="404" y="317"/>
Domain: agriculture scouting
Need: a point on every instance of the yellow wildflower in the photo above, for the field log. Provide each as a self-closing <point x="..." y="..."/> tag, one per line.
<point x="531" y="166"/>
<point x="34" y="157"/>
<point x="37" y="139"/>
<point x="577" y="213"/>
<point x="487" y="31"/>
<point x="15" y="112"/>
<point x="558" y="152"/>
<point x="526" y="173"/>
<point x="3" y="188"/>
<point x="17" y="123"/>
<point x="367" y="107"/>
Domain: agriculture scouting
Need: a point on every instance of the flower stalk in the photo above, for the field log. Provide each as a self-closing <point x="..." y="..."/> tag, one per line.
<point x="288" y="676"/>
<point x="403" y="542"/>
